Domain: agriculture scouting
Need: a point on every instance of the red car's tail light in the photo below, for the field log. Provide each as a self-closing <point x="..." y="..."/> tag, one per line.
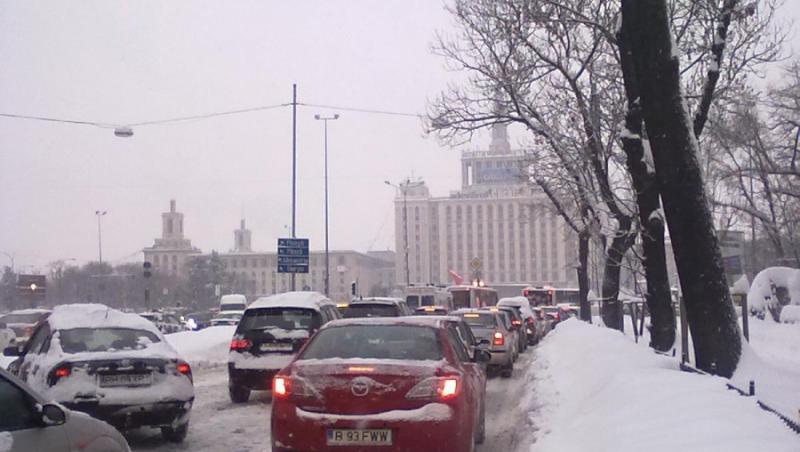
<point x="516" y="322"/>
<point x="283" y="386"/>
<point x="280" y="387"/>
<point x="435" y="388"/>
<point x="498" y="339"/>
<point x="240" y="344"/>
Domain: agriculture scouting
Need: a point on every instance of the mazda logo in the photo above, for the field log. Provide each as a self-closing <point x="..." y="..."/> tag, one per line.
<point x="360" y="387"/>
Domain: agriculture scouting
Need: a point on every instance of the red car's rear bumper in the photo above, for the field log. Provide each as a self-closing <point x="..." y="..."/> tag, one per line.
<point x="431" y="429"/>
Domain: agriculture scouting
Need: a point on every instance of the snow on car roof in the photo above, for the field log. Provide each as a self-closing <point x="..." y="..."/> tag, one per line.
<point x="416" y="320"/>
<point x="91" y="315"/>
<point x="376" y="300"/>
<point x="308" y="300"/>
<point x="513" y="301"/>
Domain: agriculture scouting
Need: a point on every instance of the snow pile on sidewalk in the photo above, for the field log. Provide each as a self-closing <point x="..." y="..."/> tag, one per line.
<point x="205" y="348"/>
<point x="595" y="390"/>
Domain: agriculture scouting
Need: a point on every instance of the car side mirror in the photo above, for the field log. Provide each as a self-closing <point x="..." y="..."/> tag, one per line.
<point x="12" y="350"/>
<point x="482" y="356"/>
<point x="53" y="415"/>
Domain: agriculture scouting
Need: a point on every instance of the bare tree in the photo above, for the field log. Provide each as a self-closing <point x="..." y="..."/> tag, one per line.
<point x="672" y="134"/>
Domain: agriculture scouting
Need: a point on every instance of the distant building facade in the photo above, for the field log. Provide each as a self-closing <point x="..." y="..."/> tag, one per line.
<point x="497" y="227"/>
<point x="254" y="273"/>
<point x="170" y="253"/>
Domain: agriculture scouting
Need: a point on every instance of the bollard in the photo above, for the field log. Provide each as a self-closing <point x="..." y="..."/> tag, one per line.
<point x="752" y="388"/>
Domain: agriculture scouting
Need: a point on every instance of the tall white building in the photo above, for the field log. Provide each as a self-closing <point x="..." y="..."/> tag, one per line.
<point x="497" y="227"/>
<point x="170" y="253"/>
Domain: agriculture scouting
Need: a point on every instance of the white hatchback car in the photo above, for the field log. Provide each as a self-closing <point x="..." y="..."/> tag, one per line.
<point x="112" y="365"/>
<point x="29" y="423"/>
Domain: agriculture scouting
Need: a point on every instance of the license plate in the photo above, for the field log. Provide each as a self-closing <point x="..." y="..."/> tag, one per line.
<point x="126" y="380"/>
<point x="360" y="437"/>
<point x="279" y="347"/>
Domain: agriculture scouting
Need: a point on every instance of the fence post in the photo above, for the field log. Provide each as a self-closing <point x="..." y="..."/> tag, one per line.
<point x="745" y="318"/>
<point x="684" y="332"/>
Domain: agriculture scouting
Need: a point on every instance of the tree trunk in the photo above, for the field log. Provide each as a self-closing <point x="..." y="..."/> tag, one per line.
<point x="583" y="275"/>
<point x="712" y="319"/>
<point x="658" y="295"/>
<point x="612" y="307"/>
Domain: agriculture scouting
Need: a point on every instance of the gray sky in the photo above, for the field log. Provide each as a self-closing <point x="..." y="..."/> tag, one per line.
<point x="131" y="61"/>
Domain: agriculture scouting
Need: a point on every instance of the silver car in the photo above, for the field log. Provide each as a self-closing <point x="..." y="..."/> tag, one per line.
<point x="29" y="423"/>
<point x="493" y="335"/>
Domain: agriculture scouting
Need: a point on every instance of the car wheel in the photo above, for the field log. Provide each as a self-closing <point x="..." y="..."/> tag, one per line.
<point x="175" y="435"/>
<point x="507" y="371"/>
<point x="238" y="394"/>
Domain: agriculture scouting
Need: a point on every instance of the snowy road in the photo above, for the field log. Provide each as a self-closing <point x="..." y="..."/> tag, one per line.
<point x="218" y="425"/>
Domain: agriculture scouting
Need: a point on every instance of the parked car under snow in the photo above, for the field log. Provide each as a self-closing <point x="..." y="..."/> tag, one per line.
<point x="112" y="365"/>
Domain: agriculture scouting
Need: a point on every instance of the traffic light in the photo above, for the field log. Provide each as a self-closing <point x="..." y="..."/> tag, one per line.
<point x="147" y="266"/>
<point x="353" y="288"/>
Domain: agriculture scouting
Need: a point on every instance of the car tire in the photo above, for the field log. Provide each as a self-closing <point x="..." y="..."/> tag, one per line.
<point x="507" y="371"/>
<point x="175" y="435"/>
<point x="238" y="394"/>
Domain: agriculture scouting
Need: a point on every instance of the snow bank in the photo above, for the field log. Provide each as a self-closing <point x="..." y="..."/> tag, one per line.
<point x="6" y="442"/>
<point x="204" y="348"/>
<point x="790" y="314"/>
<point x="596" y="390"/>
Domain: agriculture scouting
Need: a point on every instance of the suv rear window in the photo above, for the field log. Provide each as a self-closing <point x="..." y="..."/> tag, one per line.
<point x="358" y="310"/>
<point x="375" y="341"/>
<point x="476" y="320"/>
<point x="287" y="319"/>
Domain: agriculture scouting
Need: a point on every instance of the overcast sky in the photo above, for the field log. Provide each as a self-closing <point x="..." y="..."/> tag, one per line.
<point x="133" y="61"/>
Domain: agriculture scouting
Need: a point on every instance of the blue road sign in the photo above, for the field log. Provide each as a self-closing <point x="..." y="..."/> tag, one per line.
<point x="293" y="255"/>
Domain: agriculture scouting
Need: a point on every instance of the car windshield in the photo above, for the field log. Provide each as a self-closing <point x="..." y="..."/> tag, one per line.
<point x="357" y="310"/>
<point x="279" y="318"/>
<point x="480" y="320"/>
<point x="78" y="340"/>
<point x="233" y="307"/>
<point x="20" y="318"/>
<point x="406" y="342"/>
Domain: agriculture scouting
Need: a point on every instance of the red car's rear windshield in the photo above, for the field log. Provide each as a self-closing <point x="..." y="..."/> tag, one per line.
<point x="375" y="341"/>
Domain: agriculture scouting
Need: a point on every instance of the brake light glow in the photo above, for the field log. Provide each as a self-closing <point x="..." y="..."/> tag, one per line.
<point x="516" y="322"/>
<point x="429" y="309"/>
<point x="62" y="372"/>
<point x="183" y="368"/>
<point x="240" y="344"/>
<point x="280" y="386"/>
<point x="448" y="388"/>
<point x="498" y="339"/>
<point x="360" y="369"/>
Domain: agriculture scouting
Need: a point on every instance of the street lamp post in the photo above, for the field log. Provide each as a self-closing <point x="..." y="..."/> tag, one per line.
<point x="405" y="223"/>
<point x="325" y="120"/>
<point x="99" y="214"/>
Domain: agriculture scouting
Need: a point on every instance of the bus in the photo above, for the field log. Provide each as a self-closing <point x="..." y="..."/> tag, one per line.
<point x="472" y="296"/>
<point x="420" y="296"/>
<point x="550" y="296"/>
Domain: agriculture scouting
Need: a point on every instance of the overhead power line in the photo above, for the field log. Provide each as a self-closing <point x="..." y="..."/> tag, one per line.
<point x="176" y="119"/>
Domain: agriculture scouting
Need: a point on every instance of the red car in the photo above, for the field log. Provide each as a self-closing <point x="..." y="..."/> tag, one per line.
<point x="399" y="384"/>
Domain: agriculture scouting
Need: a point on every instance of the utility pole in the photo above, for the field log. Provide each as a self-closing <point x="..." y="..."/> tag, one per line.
<point x="325" y="119"/>
<point x="407" y="182"/>
<point x="99" y="214"/>
<point x="294" y="169"/>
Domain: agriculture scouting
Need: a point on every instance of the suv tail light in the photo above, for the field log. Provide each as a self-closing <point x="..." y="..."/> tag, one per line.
<point x="498" y="339"/>
<point x="63" y="370"/>
<point x="516" y="322"/>
<point x="240" y="344"/>
<point x="184" y="369"/>
<point x="436" y="388"/>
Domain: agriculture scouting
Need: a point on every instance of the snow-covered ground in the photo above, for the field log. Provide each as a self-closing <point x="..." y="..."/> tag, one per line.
<point x="596" y="390"/>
